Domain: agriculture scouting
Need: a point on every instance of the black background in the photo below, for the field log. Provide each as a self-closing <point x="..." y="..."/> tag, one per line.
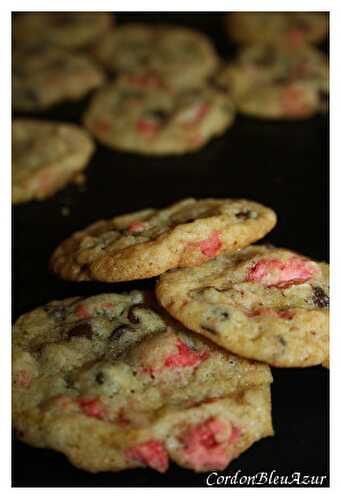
<point x="282" y="164"/>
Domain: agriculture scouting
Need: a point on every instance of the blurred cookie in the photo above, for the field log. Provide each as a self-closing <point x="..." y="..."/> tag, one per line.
<point x="263" y="303"/>
<point x="147" y="243"/>
<point x="181" y="57"/>
<point x="140" y="114"/>
<point x="267" y="82"/>
<point x="71" y="30"/>
<point x="47" y="76"/>
<point x="45" y="157"/>
<point x="113" y="385"/>
<point x="285" y="28"/>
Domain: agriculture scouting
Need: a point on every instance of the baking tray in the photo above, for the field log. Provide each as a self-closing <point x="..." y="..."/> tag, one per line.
<point x="282" y="164"/>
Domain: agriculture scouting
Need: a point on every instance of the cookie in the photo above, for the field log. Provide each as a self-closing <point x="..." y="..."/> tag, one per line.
<point x="70" y="30"/>
<point x="326" y="363"/>
<point x="139" y="114"/>
<point x="182" y="58"/>
<point x="267" y="82"/>
<point x="43" y="77"/>
<point x="45" y="157"/>
<point x="147" y="243"/>
<point x="263" y="303"/>
<point x="112" y="384"/>
<point x="284" y="28"/>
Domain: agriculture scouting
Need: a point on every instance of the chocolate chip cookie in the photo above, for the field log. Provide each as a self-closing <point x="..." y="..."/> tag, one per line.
<point x="147" y="243"/>
<point x="140" y="114"/>
<point x="45" y="76"/>
<point x="113" y="384"/>
<point x="263" y="303"/>
<point x="181" y="57"/>
<point x="45" y="157"/>
<point x="268" y="82"/>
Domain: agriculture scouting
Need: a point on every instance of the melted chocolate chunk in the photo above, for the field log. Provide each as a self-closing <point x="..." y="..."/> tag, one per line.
<point x="319" y="297"/>
<point x="81" y="330"/>
<point x="100" y="378"/>
<point x="119" y="331"/>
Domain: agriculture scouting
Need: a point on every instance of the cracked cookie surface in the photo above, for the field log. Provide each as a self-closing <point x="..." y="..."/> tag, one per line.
<point x="113" y="383"/>
<point x="268" y="304"/>
<point x="147" y="243"/>
<point x="45" y="157"/>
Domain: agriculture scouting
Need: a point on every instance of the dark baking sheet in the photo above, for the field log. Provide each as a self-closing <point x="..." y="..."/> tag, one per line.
<point x="284" y="165"/>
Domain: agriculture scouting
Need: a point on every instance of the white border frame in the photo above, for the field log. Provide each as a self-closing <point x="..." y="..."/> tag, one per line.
<point x="175" y="5"/>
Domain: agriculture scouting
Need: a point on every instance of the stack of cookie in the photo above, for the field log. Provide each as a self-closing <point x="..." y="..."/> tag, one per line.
<point x="278" y="74"/>
<point x="114" y="381"/>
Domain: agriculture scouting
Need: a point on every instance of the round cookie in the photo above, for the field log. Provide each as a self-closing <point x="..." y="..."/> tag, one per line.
<point x="285" y="28"/>
<point x="262" y="303"/>
<point x="113" y="385"/>
<point x="326" y="363"/>
<point x="45" y="157"/>
<point x="147" y="243"/>
<point x="139" y="114"/>
<point x="43" y="77"/>
<point x="268" y="82"/>
<point x="70" y="30"/>
<point x="182" y="58"/>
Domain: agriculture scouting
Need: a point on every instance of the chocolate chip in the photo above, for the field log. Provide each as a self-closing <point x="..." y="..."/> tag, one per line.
<point x="100" y="378"/>
<point x="243" y="214"/>
<point x="119" y="331"/>
<point x="133" y="313"/>
<point x="81" y="330"/>
<point x="281" y="340"/>
<point x="319" y="297"/>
